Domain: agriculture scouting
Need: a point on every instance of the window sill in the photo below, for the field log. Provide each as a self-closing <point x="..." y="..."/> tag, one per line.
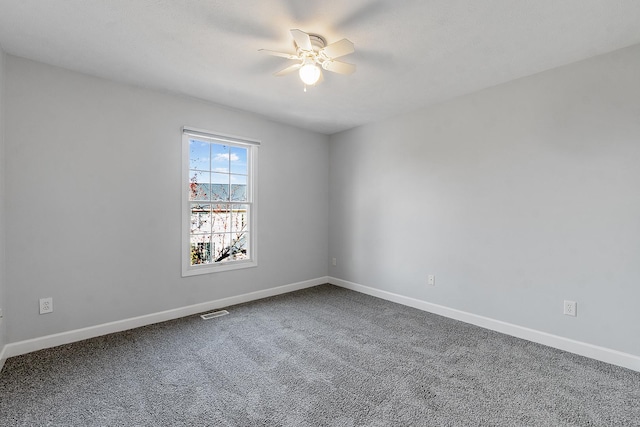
<point x="215" y="268"/>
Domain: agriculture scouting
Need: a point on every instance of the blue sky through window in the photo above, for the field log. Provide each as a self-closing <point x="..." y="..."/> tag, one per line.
<point x="217" y="163"/>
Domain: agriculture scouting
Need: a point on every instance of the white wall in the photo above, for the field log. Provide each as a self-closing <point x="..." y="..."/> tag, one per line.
<point x="516" y="197"/>
<point x="93" y="205"/>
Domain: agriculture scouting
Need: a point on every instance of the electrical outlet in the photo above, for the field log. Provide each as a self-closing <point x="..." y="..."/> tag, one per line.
<point x="334" y="262"/>
<point x="46" y="305"/>
<point x="431" y="280"/>
<point x="570" y="308"/>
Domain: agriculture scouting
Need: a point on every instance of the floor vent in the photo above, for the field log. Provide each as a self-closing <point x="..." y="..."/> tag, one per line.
<point x="214" y="314"/>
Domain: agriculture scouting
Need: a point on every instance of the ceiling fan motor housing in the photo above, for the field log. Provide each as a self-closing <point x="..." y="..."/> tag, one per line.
<point x="314" y="56"/>
<point x="317" y="42"/>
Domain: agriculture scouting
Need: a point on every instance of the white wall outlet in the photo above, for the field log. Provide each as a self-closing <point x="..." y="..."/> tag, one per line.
<point x="570" y="308"/>
<point x="334" y="262"/>
<point x="46" y="305"/>
<point x="431" y="280"/>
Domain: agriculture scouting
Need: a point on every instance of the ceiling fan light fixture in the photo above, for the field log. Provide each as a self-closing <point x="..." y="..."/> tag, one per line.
<point x="312" y="52"/>
<point x="309" y="73"/>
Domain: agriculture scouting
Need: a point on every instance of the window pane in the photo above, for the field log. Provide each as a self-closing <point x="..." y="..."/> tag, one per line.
<point x="238" y="188"/>
<point x="238" y="160"/>
<point x="200" y="218"/>
<point x="220" y="245"/>
<point x="199" y="155"/>
<point x="220" y="178"/>
<point x="220" y="158"/>
<point x="229" y="247"/>
<point x="220" y="187"/>
<point x="221" y="218"/>
<point x="219" y="192"/>
<point x="200" y="249"/>
<point x="199" y="187"/>
<point x="239" y="218"/>
<point x="241" y="247"/>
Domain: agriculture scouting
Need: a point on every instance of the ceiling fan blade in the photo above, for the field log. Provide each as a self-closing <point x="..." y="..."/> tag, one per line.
<point x="336" y="50"/>
<point x="282" y="54"/>
<point x="339" y="67"/>
<point x="302" y="39"/>
<point x="289" y="69"/>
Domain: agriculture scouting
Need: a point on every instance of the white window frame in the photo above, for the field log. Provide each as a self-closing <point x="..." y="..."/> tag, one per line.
<point x="252" y="196"/>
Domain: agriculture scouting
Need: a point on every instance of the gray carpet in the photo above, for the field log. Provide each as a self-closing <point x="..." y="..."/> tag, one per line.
<point x="324" y="356"/>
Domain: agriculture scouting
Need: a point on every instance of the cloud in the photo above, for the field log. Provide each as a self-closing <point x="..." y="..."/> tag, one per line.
<point x="220" y="157"/>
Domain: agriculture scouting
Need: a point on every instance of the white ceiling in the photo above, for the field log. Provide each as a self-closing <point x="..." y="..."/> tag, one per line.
<point x="409" y="53"/>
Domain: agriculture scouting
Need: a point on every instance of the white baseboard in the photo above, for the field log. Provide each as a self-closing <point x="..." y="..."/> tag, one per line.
<point x="2" y="347"/>
<point x="2" y="358"/>
<point x="584" y="349"/>
<point x="27" y="346"/>
<point x="603" y="354"/>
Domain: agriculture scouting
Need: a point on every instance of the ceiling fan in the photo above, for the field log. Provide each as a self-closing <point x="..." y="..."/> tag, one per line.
<point x="313" y="54"/>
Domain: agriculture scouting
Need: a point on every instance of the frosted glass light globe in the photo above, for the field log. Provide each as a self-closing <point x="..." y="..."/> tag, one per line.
<point x="309" y="74"/>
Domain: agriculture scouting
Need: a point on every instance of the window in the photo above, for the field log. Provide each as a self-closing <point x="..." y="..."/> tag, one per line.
<point x="219" y="210"/>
